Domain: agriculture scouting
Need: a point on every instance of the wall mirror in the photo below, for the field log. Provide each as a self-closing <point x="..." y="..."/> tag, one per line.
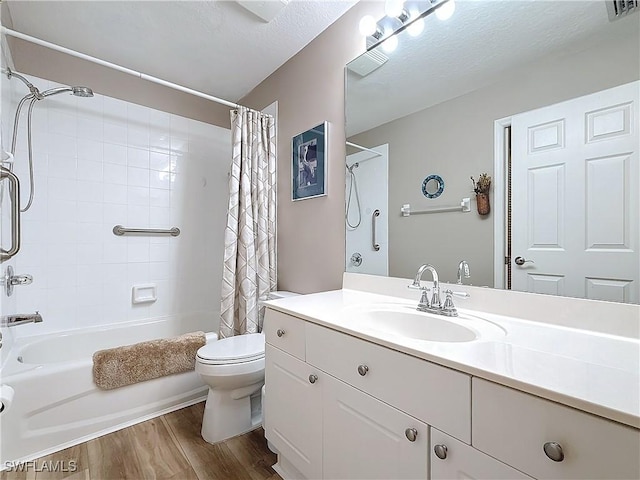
<point x="530" y="84"/>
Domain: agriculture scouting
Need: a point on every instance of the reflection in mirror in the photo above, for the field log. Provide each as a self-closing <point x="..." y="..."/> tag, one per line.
<point x="543" y="96"/>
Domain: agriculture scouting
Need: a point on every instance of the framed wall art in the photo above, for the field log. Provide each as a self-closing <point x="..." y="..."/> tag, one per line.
<point x="309" y="163"/>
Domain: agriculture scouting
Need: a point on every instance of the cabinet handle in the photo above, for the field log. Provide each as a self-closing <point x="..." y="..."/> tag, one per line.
<point x="362" y="370"/>
<point x="280" y="332"/>
<point x="411" y="434"/>
<point x="441" y="451"/>
<point x="313" y="378"/>
<point x="553" y="450"/>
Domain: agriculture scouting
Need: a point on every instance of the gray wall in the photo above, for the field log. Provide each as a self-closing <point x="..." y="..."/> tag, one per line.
<point x="309" y="89"/>
<point x="455" y="139"/>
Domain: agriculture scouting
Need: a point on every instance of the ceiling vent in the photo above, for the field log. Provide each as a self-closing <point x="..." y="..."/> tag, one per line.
<point x="621" y="8"/>
<point x="367" y="62"/>
<point x="266" y="10"/>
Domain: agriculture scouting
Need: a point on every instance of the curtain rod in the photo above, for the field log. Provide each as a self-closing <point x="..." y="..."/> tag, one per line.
<point x="360" y="147"/>
<point x="143" y="76"/>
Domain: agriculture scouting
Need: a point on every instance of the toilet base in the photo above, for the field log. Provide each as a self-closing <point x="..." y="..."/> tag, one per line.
<point x="225" y="417"/>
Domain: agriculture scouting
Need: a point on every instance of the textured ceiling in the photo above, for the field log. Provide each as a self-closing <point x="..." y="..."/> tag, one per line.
<point x="216" y="47"/>
<point x="473" y="49"/>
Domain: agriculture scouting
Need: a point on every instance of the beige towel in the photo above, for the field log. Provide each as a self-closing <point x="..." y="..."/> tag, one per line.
<point x="120" y="366"/>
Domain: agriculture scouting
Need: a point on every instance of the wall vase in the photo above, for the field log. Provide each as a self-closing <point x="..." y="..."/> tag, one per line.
<point x="482" y="200"/>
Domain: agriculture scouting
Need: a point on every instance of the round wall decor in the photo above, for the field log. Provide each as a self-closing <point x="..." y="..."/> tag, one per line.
<point x="433" y="186"/>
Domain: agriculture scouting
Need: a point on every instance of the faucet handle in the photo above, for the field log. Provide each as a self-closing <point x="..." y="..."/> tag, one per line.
<point x="424" y="304"/>
<point x="416" y="286"/>
<point x="449" y="309"/>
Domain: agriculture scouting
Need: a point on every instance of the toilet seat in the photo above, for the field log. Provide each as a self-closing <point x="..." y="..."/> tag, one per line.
<point x="233" y="350"/>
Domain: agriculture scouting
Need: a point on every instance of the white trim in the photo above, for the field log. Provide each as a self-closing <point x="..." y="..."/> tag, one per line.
<point x="114" y="66"/>
<point x="499" y="207"/>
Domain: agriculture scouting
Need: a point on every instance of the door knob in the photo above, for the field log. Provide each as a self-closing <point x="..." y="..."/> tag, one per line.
<point x="411" y="434"/>
<point x="553" y="450"/>
<point x="521" y="261"/>
<point x="313" y="378"/>
<point x="280" y="332"/>
<point x="441" y="451"/>
<point x="362" y="370"/>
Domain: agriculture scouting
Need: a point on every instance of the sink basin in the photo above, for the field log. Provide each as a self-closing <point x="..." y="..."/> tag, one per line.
<point x="406" y="321"/>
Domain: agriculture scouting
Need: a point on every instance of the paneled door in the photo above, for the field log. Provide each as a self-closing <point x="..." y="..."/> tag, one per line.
<point x="575" y="204"/>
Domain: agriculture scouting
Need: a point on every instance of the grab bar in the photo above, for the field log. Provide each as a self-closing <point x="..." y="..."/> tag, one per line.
<point x="14" y="195"/>
<point x="120" y="230"/>
<point x="374" y="244"/>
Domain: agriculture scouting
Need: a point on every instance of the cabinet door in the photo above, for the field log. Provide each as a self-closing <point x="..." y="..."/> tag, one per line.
<point x="458" y="460"/>
<point x="365" y="438"/>
<point x="293" y="411"/>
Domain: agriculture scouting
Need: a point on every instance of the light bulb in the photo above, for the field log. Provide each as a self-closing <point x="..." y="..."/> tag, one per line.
<point x="416" y="27"/>
<point x="367" y="25"/>
<point x="445" y="11"/>
<point x="390" y="44"/>
<point x="393" y="8"/>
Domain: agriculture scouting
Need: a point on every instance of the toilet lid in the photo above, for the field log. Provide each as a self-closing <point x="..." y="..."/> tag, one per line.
<point x="238" y="349"/>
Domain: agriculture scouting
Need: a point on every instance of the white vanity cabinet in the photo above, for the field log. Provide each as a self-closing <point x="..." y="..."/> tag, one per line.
<point x="338" y="406"/>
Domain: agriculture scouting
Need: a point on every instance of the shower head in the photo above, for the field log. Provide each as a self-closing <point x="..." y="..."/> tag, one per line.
<point x="77" y="91"/>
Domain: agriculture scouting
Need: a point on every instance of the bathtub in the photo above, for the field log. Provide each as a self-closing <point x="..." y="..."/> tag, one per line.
<point x="57" y="405"/>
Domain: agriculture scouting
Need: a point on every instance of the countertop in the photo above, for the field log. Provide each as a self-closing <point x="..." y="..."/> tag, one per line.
<point x="592" y="371"/>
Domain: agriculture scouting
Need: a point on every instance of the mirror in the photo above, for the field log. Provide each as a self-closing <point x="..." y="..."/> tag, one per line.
<point x="433" y="186"/>
<point x="442" y="102"/>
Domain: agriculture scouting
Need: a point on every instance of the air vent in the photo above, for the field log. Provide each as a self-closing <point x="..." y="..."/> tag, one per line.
<point x="367" y="63"/>
<point x="621" y="8"/>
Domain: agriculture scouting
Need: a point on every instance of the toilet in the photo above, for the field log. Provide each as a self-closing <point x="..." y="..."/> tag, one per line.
<point x="233" y="368"/>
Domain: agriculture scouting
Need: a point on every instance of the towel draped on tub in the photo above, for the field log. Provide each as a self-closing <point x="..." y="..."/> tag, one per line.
<point x="120" y="366"/>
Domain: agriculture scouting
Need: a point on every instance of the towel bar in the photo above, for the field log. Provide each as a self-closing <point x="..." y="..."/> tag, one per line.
<point x="120" y="230"/>
<point x="463" y="207"/>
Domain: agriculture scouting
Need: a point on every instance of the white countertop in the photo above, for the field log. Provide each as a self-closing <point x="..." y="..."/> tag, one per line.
<point x="591" y="371"/>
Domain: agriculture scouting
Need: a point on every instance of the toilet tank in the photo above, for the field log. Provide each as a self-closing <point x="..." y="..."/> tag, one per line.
<point x="273" y="296"/>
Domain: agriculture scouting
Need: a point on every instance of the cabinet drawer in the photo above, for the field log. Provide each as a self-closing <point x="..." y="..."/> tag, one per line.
<point x="433" y="394"/>
<point x="285" y="332"/>
<point x="462" y="461"/>
<point x="514" y="427"/>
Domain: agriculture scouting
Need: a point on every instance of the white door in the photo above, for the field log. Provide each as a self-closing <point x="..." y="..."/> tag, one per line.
<point x="365" y="438"/>
<point x="575" y="181"/>
<point x="452" y="459"/>
<point x="367" y="192"/>
<point x="293" y="411"/>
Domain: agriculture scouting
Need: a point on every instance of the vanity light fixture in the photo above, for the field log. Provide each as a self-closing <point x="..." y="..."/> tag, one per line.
<point x="401" y="15"/>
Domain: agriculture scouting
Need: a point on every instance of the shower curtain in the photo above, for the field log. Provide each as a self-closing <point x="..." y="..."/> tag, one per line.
<point x="250" y="251"/>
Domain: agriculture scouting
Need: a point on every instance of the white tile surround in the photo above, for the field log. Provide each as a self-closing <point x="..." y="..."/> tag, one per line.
<point x="100" y="162"/>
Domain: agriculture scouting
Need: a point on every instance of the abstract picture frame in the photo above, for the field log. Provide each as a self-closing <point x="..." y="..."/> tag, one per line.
<point x="309" y="163"/>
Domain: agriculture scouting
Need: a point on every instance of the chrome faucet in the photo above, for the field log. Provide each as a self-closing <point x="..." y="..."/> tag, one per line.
<point x="463" y="269"/>
<point x="20" y="319"/>
<point x="425" y="305"/>
<point x="435" y="305"/>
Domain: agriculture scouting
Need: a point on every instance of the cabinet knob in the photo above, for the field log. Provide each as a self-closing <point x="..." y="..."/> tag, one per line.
<point x="313" y="378"/>
<point x="441" y="451"/>
<point x="363" y="369"/>
<point x="280" y="332"/>
<point x="411" y="434"/>
<point x="553" y="450"/>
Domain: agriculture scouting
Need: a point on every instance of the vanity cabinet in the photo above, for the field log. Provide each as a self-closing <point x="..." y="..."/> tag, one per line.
<point x="338" y="406"/>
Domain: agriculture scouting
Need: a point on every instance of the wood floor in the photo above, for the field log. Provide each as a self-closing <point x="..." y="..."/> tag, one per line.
<point x="166" y="447"/>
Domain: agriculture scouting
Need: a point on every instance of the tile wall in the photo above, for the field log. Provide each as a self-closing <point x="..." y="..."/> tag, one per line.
<point x="101" y="162"/>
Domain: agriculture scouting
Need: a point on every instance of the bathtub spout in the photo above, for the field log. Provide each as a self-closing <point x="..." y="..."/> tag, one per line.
<point x="20" y="319"/>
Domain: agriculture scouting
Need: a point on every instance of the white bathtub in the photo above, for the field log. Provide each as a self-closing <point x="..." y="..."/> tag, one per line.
<point x="57" y="405"/>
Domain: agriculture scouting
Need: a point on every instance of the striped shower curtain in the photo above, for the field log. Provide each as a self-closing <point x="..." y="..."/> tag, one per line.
<point x="250" y="235"/>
